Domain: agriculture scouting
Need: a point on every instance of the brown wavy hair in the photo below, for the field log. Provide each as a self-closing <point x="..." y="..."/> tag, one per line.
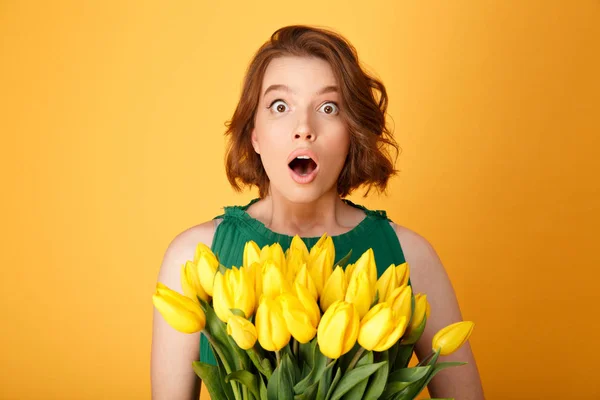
<point x="364" y="106"/>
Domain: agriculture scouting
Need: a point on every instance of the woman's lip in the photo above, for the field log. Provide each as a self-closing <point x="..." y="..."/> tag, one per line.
<point x="303" y="152"/>
<point x="302" y="179"/>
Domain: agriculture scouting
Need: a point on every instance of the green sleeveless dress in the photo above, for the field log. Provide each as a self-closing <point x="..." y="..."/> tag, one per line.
<point x="238" y="227"/>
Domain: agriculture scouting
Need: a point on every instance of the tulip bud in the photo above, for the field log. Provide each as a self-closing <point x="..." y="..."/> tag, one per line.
<point x="309" y="303"/>
<point x="415" y="330"/>
<point x="320" y="267"/>
<point x="242" y="331"/>
<point x="452" y="337"/>
<point x="403" y="274"/>
<point x="303" y="278"/>
<point x="297" y="319"/>
<point x="273" y="281"/>
<point x="274" y="253"/>
<point x="335" y="288"/>
<point x="387" y="283"/>
<point x="234" y="289"/>
<point x="294" y="261"/>
<point x="190" y="282"/>
<point x="338" y="329"/>
<point x="299" y="245"/>
<point x="367" y="262"/>
<point x="207" y="267"/>
<point x="182" y="313"/>
<point x="401" y="301"/>
<point x="271" y="328"/>
<point x="251" y="253"/>
<point x="360" y="293"/>
<point x="379" y="330"/>
<point x="324" y="243"/>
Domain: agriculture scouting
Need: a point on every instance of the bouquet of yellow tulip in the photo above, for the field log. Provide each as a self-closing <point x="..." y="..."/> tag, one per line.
<point x="291" y="326"/>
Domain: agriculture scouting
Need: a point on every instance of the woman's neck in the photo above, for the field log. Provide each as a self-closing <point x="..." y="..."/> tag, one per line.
<point x="328" y="214"/>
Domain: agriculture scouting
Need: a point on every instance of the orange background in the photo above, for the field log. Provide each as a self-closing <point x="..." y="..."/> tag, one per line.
<point x="112" y="119"/>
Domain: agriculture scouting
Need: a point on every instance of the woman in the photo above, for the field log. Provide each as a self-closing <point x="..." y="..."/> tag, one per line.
<point x="308" y="130"/>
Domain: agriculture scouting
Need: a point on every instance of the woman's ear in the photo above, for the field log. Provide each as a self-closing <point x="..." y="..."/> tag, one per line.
<point x="254" y="140"/>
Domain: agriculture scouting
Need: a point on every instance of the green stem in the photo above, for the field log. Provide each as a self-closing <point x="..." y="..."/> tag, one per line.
<point x="211" y="340"/>
<point x="426" y="359"/>
<point x="355" y="359"/>
<point x="278" y="357"/>
<point x="296" y="350"/>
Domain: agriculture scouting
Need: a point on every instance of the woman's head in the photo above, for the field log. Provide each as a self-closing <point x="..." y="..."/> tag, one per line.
<point x="305" y="90"/>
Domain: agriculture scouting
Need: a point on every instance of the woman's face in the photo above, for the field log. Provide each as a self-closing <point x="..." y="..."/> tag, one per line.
<point x="299" y="130"/>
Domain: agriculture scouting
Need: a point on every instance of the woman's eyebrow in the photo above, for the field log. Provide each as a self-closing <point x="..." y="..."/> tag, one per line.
<point x="326" y="89"/>
<point x="277" y="87"/>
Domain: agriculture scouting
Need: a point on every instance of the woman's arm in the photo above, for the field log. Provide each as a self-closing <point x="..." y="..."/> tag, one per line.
<point x="428" y="276"/>
<point x="172" y="376"/>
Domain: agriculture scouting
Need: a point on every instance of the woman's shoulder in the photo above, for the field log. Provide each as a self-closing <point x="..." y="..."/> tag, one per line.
<point x="185" y="242"/>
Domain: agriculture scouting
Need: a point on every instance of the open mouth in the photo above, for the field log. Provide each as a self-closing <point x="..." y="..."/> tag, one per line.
<point x="303" y="165"/>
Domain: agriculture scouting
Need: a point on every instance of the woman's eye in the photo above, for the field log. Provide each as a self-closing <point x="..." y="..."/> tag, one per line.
<point x="279" y="106"/>
<point x="329" y="108"/>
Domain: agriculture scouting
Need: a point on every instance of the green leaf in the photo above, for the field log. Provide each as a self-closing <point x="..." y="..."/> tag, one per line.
<point x="344" y="261"/>
<point x="247" y="379"/>
<point x="307" y="351"/>
<point x="237" y="312"/>
<point x="263" y="365"/>
<point x="263" y="389"/>
<point x="379" y="379"/>
<point x="336" y="379"/>
<point x="309" y="394"/>
<point x="403" y="357"/>
<point x="218" y="330"/>
<point x="212" y="379"/>
<point x="325" y="381"/>
<point x="354" y="376"/>
<point x="320" y="363"/>
<point x="280" y="385"/>
<point x="412" y="374"/>
<point x="356" y="393"/>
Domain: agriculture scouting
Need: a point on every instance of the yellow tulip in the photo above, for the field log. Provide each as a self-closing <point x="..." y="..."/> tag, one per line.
<point x="320" y="264"/>
<point x="294" y="261"/>
<point x="360" y="293"/>
<point x="403" y="273"/>
<point x="413" y="333"/>
<point x="379" y="330"/>
<point x="303" y="278"/>
<point x="273" y="281"/>
<point x="367" y="262"/>
<point x="242" y="331"/>
<point x="202" y="248"/>
<point x="271" y="328"/>
<point x="299" y="245"/>
<point x="325" y="242"/>
<point x="335" y="289"/>
<point x="297" y="319"/>
<point x="401" y="301"/>
<point x="452" y="337"/>
<point x="421" y="311"/>
<point x="349" y="271"/>
<point x="255" y="272"/>
<point x="181" y="312"/>
<point x="234" y="289"/>
<point x="251" y="253"/>
<point x="387" y="282"/>
<point x="273" y="252"/>
<point x="338" y="329"/>
<point x="207" y="267"/>
<point x="190" y="282"/>
<point x="310" y="304"/>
